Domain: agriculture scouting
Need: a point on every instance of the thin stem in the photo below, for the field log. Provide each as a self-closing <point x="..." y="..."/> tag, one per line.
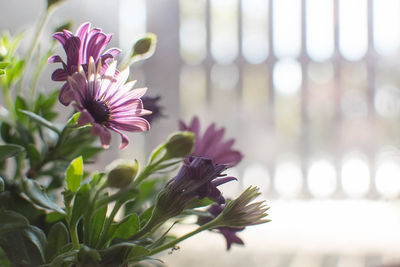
<point x="9" y="102"/>
<point x="171" y="244"/>
<point x="74" y="236"/>
<point x="39" y="70"/>
<point x="32" y="48"/>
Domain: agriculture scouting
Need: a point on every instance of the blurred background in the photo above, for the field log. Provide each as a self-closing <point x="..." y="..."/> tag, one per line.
<point x="309" y="89"/>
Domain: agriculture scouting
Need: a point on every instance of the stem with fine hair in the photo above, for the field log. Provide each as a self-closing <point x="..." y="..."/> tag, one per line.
<point x="214" y="223"/>
<point x="33" y="46"/>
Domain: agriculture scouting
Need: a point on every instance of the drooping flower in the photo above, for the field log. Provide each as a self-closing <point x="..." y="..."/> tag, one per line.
<point x="86" y="43"/>
<point x="151" y="103"/>
<point x="210" y="144"/>
<point x="198" y="177"/>
<point x="229" y="233"/>
<point x="107" y="102"/>
<point x="234" y="216"/>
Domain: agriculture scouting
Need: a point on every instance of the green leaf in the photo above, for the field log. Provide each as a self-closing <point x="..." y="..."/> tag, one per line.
<point x="36" y="194"/>
<point x="53" y="217"/>
<point x="66" y="257"/>
<point x="40" y="120"/>
<point x="24" y="247"/>
<point x="58" y="237"/>
<point x="80" y="204"/>
<point x="11" y="221"/>
<point x="138" y="252"/>
<point x="2" y="72"/>
<point x="21" y="242"/>
<point x="20" y="104"/>
<point x="146" y="215"/>
<point x="96" y="225"/>
<point x="7" y="151"/>
<point x="127" y="227"/>
<point x="6" y="133"/>
<point x="4" y="65"/>
<point x="74" y="174"/>
<point x="34" y="156"/>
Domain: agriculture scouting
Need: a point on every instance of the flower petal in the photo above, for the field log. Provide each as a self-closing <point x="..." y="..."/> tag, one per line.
<point x="66" y="95"/>
<point x="103" y="133"/>
<point x="85" y="118"/>
<point x="59" y="75"/>
<point x="55" y="59"/>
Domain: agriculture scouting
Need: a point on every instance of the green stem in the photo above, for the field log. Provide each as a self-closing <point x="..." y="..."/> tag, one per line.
<point x="147" y="171"/>
<point x="39" y="70"/>
<point x="74" y="236"/>
<point x="154" y="221"/>
<point x="171" y="244"/>
<point x="33" y="46"/>
<point x="9" y="102"/>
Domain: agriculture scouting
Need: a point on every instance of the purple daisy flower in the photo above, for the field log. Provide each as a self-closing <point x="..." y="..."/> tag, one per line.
<point x="229" y="233"/>
<point x="210" y="144"/>
<point x="86" y="43"/>
<point x="198" y="177"/>
<point x="107" y="102"/>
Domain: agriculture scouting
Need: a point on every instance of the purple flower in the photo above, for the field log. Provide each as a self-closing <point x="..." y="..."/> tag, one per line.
<point x="107" y="102"/>
<point x="151" y="103"/>
<point x="229" y="233"/>
<point x="210" y="144"/>
<point x="86" y="43"/>
<point x="198" y="177"/>
<point x="236" y="215"/>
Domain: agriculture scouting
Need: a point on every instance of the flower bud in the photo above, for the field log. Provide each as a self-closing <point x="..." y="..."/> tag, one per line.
<point x="51" y="3"/>
<point x="145" y="46"/>
<point x="122" y="173"/>
<point x="180" y="144"/>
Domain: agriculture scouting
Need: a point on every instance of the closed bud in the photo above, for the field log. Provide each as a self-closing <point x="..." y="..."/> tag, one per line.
<point x="145" y="46"/>
<point x="180" y="144"/>
<point x="51" y="3"/>
<point x="66" y="26"/>
<point x="122" y="173"/>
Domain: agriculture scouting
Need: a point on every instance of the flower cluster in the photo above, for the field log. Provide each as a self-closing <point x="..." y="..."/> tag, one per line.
<point x="97" y="87"/>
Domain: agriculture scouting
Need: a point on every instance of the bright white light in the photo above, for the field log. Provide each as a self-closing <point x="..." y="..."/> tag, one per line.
<point x="386" y="26"/>
<point x="355" y="176"/>
<point x="287" y="76"/>
<point x="319" y="23"/>
<point x="255" y="35"/>
<point x="353" y="28"/>
<point x="286" y="28"/>
<point x="192" y="40"/>
<point x="132" y="22"/>
<point x="321" y="178"/>
<point x="288" y="178"/>
<point x="224" y="77"/>
<point x="387" y="179"/>
<point x="224" y="25"/>
<point x="387" y="101"/>
<point x="256" y="174"/>
<point x="354" y="104"/>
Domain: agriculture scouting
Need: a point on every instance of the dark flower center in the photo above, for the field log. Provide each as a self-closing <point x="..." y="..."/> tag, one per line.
<point x="98" y="110"/>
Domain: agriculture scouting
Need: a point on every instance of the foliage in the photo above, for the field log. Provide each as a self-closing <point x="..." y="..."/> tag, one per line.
<point x="41" y="157"/>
